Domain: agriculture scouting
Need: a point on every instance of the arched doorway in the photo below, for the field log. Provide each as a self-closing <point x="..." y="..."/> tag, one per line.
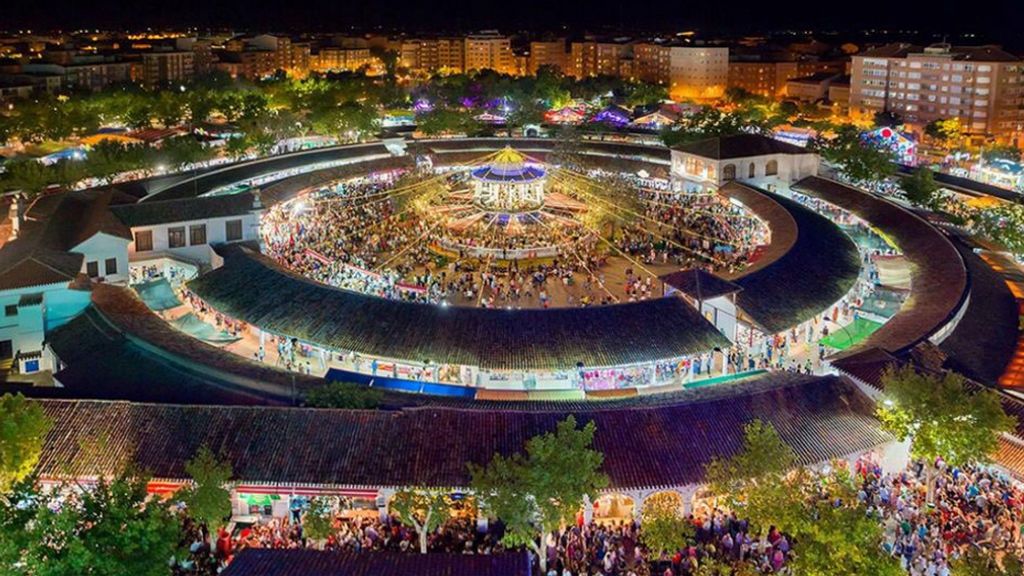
<point x="665" y="500"/>
<point x="729" y="172"/>
<point x="614" y="509"/>
<point x="751" y="171"/>
<point x="771" y="168"/>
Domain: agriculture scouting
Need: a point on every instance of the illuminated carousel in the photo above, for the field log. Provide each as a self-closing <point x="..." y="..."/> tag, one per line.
<point x="505" y="209"/>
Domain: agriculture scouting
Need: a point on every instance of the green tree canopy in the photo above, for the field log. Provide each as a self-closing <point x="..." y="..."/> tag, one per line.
<point x="426" y="510"/>
<point x="920" y="188"/>
<point x="941" y="418"/>
<point x="344" y="395"/>
<point x="23" y="428"/>
<point x="857" y="159"/>
<point x="536" y="493"/>
<point x="208" y="498"/>
<point x="665" y="529"/>
<point x="110" y="529"/>
<point x="318" y="521"/>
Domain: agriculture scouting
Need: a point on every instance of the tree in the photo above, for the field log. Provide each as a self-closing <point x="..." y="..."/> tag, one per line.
<point x="920" y="188"/>
<point x="664" y="527"/>
<point x="1003" y="224"/>
<point x="23" y="428"/>
<point x="344" y="395"/>
<point x="949" y="131"/>
<point x="857" y="159"/>
<point x="318" y="521"/>
<point x="110" y="529"/>
<point x="837" y="537"/>
<point x="977" y="562"/>
<point x="1001" y="152"/>
<point x="941" y="418"/>
<point x="207" y="498"/>
<point x="184" y="151"/>
<point x="426" y="510"/>
<point x="756" y="480"/>
<point x="887" y="118"/>
<point x="28" y="175"/>
<point x="536" y="493"/>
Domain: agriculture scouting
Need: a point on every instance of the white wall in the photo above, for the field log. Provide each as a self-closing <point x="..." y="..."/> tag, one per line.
<point x="216" y="230"/>
<point x="98" y="249"/>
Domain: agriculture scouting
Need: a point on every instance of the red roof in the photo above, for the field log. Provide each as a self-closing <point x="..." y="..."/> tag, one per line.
<point x="655" y="445"/>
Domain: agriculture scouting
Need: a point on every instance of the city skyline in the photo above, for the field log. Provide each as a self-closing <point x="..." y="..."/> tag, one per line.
<point x="989" y="20"/>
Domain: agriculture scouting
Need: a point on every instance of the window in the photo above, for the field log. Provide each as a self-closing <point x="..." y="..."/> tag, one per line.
<point x="771" y="168"/>
<point x="751" y="171"/>
<point x="176" y="237"/>
<point x="729" y="172"/>
<point x="233" y="230"/>
<point x="92" y="269"/>
<point x="11" y="310"/>
<point x="197" y="234"/>
<point x="144" y="241"/>
<point x="110" y="266"/>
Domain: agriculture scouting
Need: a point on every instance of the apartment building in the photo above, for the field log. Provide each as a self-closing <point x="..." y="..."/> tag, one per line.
<point x="651" y="62"/>
<point x="983" y="86"/>
<point x="698" y="72"/>
<point x="489" y="51"/>
<point x="335" y="59"/>
<point x="547" y="53"/>
<point x="762" y="77"/>
<point x="164" y="68"/>
<point x="429" y="55"/>
<point x="594" y="58"/>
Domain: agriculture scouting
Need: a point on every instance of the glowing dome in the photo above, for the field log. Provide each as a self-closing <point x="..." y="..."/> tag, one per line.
<point x="508" y="183"/>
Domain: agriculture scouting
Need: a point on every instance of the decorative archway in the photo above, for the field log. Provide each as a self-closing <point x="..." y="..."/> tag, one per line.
<point x="666" y="499"/>
<point x="771" y="168"/>
<point x="614" y="508"/>
<point x="729" y="172"/>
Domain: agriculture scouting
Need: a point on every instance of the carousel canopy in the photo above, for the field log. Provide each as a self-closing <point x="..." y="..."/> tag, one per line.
<point x="508" y="166"/>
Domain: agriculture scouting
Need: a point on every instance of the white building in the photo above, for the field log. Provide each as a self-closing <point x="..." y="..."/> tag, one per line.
<point x="749" y="158"/>
<point x="63" y="242"/>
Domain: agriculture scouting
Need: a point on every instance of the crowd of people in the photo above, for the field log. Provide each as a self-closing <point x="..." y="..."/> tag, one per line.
<point x="365" y="235"/>
<point x="973" y="509"/>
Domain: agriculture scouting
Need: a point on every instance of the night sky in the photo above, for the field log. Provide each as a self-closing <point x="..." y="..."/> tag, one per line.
<point x="998" y="20"/>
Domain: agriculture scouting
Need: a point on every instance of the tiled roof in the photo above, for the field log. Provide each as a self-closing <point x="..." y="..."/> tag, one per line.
<point x="985" y="338"/>
<point x="270" y="562"/>
<point x="253" y="288"/>
<point x="939" y="280"/>
<point x="663" y="445"/>
<point x="1010" y="455"/>
<point x="739" y="146"/>
<point x="184" y="210"/>
<point x="699" y="284"/>
<point x="819" y="268"/>
<point x="118" y="348"/>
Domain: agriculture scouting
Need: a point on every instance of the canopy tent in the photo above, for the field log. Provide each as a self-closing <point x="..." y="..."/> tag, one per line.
<point x="157" y="294"/>
<point x="193" y="326"/>
<point x="851" y="334"/>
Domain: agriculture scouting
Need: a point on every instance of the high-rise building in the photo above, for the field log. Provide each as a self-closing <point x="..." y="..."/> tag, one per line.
<point x="489" y="51"/>
<point x="698" y="72"/>
<point x="429" y="55"/>
<point x="983" y="86"/>
<point x="170" y="67"/>
<point x="335" y="59"/>
<point x="547" y="53"/>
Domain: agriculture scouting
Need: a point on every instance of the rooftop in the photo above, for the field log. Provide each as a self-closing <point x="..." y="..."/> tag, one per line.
<point x="644" y="447"/>
<point x="738" y="146"/>
<point x="255" y="289"/>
